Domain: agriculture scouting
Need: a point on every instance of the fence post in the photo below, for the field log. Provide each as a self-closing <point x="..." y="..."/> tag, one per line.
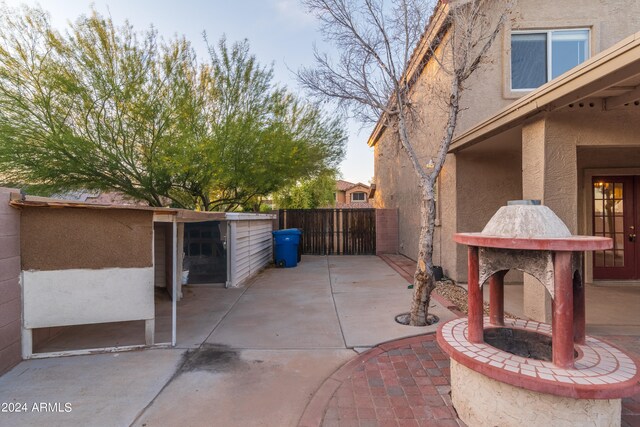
<point x="386" y="231"/>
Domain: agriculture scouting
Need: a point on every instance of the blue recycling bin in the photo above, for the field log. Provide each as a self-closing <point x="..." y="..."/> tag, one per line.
<point x="286" y="247"/>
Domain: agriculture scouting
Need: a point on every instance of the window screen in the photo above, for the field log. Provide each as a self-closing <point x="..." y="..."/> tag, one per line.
<point x="538" y="57"/>
<point x="528" y="60"/>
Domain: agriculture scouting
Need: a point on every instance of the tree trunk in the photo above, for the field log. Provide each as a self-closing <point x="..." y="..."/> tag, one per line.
<point x="423" y="282"/>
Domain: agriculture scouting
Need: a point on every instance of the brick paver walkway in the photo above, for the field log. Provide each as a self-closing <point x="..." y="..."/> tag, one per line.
<point x="406" y="383"/>
<point x="631" y="411"/>
<point x="406" y="386"/>
<point x="402" y="383"/>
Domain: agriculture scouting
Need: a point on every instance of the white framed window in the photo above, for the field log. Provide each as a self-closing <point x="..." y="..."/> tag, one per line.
<point x="359" y="196"/>
<point x="538" y="56"/>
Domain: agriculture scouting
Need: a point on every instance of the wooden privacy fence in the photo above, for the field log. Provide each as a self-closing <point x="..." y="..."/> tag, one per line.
<point x="333" y="231"/>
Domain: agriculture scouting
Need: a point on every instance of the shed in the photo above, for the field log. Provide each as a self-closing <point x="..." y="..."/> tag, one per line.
<point x="242" y="240"/>
<point x="87" y="263"/>
<point x="250" y="245"/>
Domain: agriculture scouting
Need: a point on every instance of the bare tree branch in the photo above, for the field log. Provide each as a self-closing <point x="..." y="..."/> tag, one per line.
<point x="383" y="49"/>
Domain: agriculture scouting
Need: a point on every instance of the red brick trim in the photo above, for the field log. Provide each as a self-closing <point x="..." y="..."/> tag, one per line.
<point x="596" y="378"/>
<point x="573" y="243"/>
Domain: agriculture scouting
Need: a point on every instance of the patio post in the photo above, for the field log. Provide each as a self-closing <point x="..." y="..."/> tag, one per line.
<point x="496" y="298"/>
<point x="476" y="309"/>
<point x="579" y="313"/>
<point x="562" y="324"/>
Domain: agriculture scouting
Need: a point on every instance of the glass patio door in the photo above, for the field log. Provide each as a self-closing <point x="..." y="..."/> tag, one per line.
<point x="615" y="215"/>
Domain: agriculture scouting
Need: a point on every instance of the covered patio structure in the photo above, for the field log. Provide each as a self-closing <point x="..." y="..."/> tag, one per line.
<point x="573" y="144"/>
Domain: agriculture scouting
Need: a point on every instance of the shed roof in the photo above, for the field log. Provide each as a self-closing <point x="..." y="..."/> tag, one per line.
<point x="17" y="200"/>
<point x="161" y="214"/>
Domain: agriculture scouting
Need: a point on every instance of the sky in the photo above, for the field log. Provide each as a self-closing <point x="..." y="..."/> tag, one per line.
<point x="280" y="32"/>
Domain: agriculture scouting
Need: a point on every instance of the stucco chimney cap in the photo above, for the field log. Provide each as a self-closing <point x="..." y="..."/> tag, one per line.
<point x="526" y="220"/>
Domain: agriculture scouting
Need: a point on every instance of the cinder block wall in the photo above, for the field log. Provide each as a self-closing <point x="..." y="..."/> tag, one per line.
<point x="10" y="296"/>
<point x="386" y="231"/>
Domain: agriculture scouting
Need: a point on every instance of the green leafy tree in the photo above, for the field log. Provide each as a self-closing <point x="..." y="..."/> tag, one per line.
<point x="94" y="108"/>
<point x="312" y="193"/>
<point x="266" y="138"/>
<point x="106" y="107"/>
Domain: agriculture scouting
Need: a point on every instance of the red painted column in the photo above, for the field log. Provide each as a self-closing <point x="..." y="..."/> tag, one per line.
<point x="562" y="326"/>
<point x="579" y="313"/>
<point x="476" y="312"/>
<point x="496" y="298"/>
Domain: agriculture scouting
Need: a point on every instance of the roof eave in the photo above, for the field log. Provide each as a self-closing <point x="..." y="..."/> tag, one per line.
<point x="576" y="84"/>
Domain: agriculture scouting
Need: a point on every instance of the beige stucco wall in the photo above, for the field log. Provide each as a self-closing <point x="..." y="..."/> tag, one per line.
<point x="10" y="298"/>
<point x="59" y="239"/>
<point x="484" y="402"/>
<point x="609" y="22"/>
<point x="487" y="180"/>
<point x="487" y="92"/>
<point x="340" y="196"/>
<point x="554" y="171"/>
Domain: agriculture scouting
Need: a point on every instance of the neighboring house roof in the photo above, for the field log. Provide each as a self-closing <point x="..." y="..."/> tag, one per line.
<point x="342" y="185"/>
<point x="365" y="186"/>
<point x="612" y="76"/>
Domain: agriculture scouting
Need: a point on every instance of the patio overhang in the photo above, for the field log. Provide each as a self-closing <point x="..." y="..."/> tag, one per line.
<point x="611" y="78"/>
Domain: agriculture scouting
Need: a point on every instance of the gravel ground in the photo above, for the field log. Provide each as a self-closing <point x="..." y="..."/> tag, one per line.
<point x="458" y="296"/>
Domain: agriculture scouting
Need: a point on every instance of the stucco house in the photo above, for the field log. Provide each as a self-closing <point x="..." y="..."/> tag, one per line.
<point x="351" y="196"/>
<point x="554" y="115"/>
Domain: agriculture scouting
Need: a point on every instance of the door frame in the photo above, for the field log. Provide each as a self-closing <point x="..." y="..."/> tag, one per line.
<point x="587" y="216"/>
<point x="223" y="240"/>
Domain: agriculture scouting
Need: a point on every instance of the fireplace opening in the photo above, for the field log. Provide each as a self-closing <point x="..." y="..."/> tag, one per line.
<point x="521" y="343"/>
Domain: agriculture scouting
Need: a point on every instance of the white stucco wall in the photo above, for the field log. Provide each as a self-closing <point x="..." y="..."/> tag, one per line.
<point x="84" y="296"/>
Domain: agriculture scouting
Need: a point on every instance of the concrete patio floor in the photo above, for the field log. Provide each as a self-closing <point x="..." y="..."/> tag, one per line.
<point x="612" y="311"/>
<point x="252" y="356"/>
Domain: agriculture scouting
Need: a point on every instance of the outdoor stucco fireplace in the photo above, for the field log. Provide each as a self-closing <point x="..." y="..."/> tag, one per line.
<point x="515" y="372"/>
